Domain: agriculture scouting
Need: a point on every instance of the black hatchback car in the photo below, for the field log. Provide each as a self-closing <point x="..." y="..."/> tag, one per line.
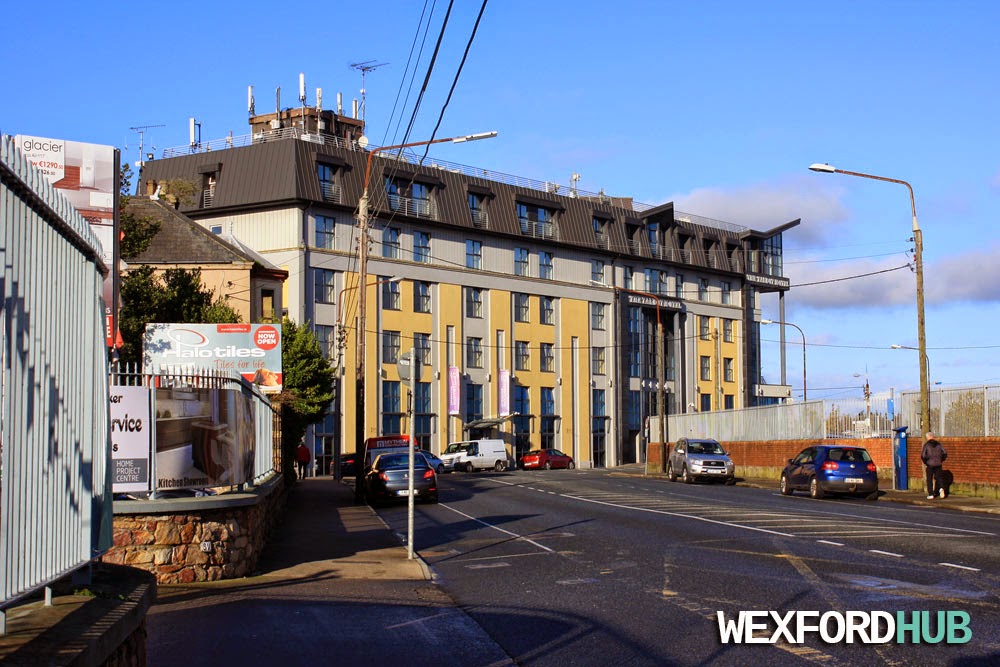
<point x="823" y="469"/>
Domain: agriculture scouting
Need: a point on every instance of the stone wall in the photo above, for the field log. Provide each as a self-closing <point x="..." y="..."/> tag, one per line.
<point x="181" y="540"/>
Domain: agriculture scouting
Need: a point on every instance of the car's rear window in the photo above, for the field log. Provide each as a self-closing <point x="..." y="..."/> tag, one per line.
<point x="849" y="455"/>
<point x="398" y="460"/>
<point x="535" y="452"/>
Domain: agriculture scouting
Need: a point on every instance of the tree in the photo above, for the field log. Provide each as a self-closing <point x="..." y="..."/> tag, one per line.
<point x="136" y="230"/>
<point x="176" y="296"/>
<point x="307" y="388"/>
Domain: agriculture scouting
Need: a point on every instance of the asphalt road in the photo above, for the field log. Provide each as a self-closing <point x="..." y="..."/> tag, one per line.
<point x="588" y="568"/>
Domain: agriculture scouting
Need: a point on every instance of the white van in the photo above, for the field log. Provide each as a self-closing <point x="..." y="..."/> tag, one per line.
<point x="471" y="455"/>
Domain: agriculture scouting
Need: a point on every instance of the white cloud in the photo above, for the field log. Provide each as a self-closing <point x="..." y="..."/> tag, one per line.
<point x="763" y="206"/>
<point x="973" y="276"/>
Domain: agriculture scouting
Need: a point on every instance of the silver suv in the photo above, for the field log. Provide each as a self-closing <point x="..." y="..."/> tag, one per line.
<point x="692" y="459"/>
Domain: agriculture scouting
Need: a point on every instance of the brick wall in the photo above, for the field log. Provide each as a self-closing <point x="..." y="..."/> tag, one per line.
<point x="170" y="545"/>
<point x="973" y="463"/>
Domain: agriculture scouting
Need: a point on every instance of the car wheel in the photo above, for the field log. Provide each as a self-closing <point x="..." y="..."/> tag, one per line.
<point x="730" y="481"/>
<point x="500" y="466"/>
<point x="872" y="496"/>
<point x="670" y="472"/>
<point x="783" y="486"/>
<point x="548" y="465"/>
<point x="814" y="491"/>
<point x="685" y="477"/>
<point x="469" y="467"/>
<point x="570" y="466"/>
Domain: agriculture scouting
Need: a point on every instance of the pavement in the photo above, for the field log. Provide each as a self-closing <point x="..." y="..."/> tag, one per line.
<point x="335" y="585"/>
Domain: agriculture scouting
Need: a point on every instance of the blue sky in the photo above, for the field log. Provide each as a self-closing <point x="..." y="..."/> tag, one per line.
<point x="719" y="107"/>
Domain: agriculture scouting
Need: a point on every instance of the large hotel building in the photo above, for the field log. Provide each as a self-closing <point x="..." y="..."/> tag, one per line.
<point x="534" y="308"/>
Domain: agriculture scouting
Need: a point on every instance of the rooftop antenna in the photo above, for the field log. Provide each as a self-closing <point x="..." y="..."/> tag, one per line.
<point x="574" y="181"/>
<point x="364" y="68"/>
<point x="194" y="129"/>
<point x="141" y="129"/>
<point x="250" y="101"/>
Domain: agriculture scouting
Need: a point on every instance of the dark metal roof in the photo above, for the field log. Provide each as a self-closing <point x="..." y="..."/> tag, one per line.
<point x="281" y="173"/>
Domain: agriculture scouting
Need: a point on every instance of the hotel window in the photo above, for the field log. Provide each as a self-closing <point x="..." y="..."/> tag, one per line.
<point x="536" y="221"/>
<point x="390" y="347"/>
<point x="597" y="360"/>
<point x="392" y="414"/>
<point x="679" y="286"/>
<point x="325" y="232"/>
<point x="705" y="365"/>
<point x="597" y="271"/>
<point x="727" y="292"/>
<point x="727" y="369"/>
<point x="703" y="289"/>
<point x="422" y="344"/>
<point x="390" y="296"/>
<point x="547" y="358"/>
<point x="326" y="337"/>
<point x="520" y="261"/>
<point x="423" y="418"/>
<point x="730" y="401"/>
<point x="656" y="281"/>
<point x="522" y="356"/>
<point x="727" y="330"/>
<point x="600" y="232"/>
<point x="474" y="352"/>
<point x="421" y="247"/>
<point x="597" y="316"/>
<point x="704" y="327"/>
<point x="473" y="402"/>
<point x="390" y="242"/>
<point x="473" y="254"/>
<point x="629" y="277"/>
<point x="408" y="197"/>
<point x="478" y="210"/>
<point x="548" y="417"/>
<point x="328" y="182"/>
<point x="521" y="313"/>
<point x="473" y="302"/>
<point x="546" y="305"/>
<point x="421" y="297"/>
<point x="545" y="265"/>
<point x="267" y="306"/>
<point x="323" y="281"/>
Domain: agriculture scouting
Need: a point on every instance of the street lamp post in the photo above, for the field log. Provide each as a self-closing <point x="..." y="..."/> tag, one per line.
<point x="804" y="395"/>
<point x="927" y="360"/>
<point x="918" y="260"/>
<point x="660" y="375"/>
<point x="359" y="380"/>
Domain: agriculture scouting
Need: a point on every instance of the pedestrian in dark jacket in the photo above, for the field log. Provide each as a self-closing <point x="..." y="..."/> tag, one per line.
<point x="302" y="458"/>
<point x="933" y="456"/>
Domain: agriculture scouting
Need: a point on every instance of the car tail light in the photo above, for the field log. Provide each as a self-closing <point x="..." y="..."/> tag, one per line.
<point x="428" y="474"/>
<point x="830" y="465"/>
<point x="382" y="476"/>
<point x="872" y="468"/>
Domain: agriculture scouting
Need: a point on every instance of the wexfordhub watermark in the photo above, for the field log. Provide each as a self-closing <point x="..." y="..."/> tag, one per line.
<point x="835" y="627"/>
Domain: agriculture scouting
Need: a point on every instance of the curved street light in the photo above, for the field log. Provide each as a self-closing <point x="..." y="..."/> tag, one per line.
<point x="804" y="395"/>
<point x="918" y="260"/>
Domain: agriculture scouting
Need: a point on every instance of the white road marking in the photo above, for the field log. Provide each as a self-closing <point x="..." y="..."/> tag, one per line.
<point x="490" y="525"/>
<point x="961" y="567"/>
<point x="836" y="544"/>
<point x="886" y="553"/>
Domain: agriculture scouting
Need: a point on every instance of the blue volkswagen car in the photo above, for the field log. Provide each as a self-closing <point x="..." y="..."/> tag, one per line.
<point x="831" y="469"/>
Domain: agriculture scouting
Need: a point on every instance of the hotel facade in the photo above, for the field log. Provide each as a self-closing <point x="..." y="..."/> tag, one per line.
<point x="535" y="309"/>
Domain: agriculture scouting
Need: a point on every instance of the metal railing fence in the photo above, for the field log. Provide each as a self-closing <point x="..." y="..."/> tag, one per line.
<point x="55" y="486"/>
<point x="955" y="412"/>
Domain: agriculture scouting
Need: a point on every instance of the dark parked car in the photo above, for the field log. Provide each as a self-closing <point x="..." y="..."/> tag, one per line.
<point x="823" y="469"/>
<point x="547" y="458"/>
<point x="388" y="479"/>
<point x="347" y="465"/>
<point x="703" y="458"/>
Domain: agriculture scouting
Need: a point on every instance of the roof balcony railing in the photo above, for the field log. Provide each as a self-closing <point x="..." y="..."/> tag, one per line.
<point x="480" y="219"/>
<point x="330" y="191"/>
<point x="418" y="208"/>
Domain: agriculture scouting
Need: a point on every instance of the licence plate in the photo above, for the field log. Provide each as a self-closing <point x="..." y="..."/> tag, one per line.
<point x="854" y="480"/>
<point x="717" y="471"/>
<point x="403" y="492"/>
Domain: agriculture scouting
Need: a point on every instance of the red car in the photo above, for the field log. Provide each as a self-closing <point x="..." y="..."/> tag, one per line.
<point x="546" y="458"/>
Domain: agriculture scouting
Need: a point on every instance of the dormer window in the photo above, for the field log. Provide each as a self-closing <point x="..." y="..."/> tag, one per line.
<point x="409" y="197"/>
<point x="537" y="221"/>
<point x="328" y="187"/>
<point x="477" y="208"/>
<point x="601" y="232"/>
